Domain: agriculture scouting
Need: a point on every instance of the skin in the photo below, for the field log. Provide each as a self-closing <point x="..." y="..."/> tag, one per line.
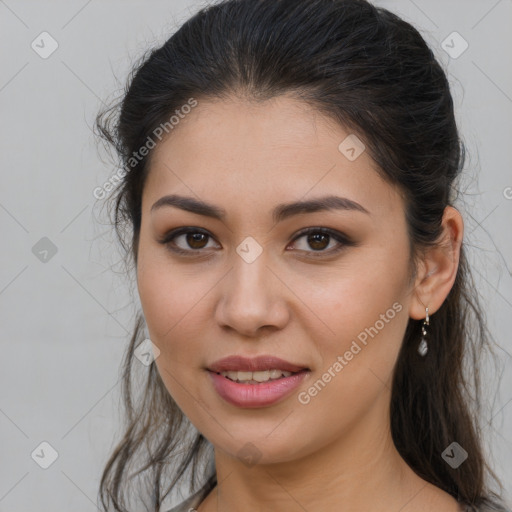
<point x="336" y="452"/>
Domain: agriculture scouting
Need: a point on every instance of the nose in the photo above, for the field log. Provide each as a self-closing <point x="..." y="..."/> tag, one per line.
<point x="252" y="299"/>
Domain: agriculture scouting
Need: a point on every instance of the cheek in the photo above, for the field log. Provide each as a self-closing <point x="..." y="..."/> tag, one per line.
<point x="175" y="306"/>
<point x="167" y="301"/>
<point x="158" y="299"/>
<point x="168" y="294"/>
<point x="360" y="314"/>
<point x="368" y="319"/>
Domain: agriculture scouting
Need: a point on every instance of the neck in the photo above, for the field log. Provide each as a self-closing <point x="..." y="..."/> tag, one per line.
<point x="361" y="470"/>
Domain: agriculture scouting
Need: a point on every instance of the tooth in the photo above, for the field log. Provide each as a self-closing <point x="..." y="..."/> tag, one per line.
<point x="244" y="375"/>
<point x="261" y="376"/>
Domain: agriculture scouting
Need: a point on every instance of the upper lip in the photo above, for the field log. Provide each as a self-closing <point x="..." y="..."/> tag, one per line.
<point x="254" y="364"/>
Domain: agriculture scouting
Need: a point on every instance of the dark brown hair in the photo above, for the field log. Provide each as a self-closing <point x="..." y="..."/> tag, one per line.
<point x="374" y="74"/>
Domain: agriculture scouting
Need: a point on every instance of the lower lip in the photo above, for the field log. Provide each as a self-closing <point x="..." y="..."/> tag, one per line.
<point x="256" y="395"/>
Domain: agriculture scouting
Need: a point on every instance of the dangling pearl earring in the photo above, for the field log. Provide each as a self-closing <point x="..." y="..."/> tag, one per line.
<point x="423" y="346"/>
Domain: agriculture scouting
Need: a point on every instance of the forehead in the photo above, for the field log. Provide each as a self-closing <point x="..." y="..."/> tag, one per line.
<point x="278" y="150"/>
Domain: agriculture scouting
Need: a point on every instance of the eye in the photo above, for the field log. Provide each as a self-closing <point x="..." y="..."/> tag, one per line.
<point x="196" y="239"/>
<point x="319" y="239"/>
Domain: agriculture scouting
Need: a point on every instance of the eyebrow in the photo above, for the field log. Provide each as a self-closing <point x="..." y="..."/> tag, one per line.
<point x="281" y="211"/>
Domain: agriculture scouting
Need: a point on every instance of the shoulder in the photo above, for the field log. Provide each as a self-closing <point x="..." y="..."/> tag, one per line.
<point x="188" y="505"/>
<point x="487" y="505"/>
<point x="193" y="501"/>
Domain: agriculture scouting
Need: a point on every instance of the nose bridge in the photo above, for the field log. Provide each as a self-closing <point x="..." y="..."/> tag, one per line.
<point x="250" y="278"/>
<point x="251" y="291"/>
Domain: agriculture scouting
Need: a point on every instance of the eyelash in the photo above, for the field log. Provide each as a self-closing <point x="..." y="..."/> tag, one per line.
<point x="336" y="235"/>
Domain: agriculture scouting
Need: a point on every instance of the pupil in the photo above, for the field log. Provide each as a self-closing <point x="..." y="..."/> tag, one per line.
<point x="196" y="237"/>
<point x="315" y="240"/>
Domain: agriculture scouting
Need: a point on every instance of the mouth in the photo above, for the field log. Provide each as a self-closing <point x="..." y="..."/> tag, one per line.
<point x="256" y="382"/>
<point x="250" y="393"/>
<point x="255" y="365"/>
<point x="259" y="377"/>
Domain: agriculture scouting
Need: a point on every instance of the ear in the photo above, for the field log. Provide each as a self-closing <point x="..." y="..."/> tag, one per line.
<point x="438" y="268"/>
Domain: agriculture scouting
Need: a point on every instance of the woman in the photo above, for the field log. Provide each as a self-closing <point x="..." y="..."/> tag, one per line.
<point x="289" y="183"/>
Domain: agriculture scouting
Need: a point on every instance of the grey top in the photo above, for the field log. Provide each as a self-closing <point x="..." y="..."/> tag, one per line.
<point x="190" y="504"/>
<point x="193" y="501"/>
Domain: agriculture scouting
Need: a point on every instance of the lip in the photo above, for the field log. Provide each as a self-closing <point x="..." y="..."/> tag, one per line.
<point x="254" y="364"/>
<point x="256" y="395"/>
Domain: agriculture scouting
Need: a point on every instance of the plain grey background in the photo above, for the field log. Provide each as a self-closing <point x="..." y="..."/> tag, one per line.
<point x="65" y="321"/>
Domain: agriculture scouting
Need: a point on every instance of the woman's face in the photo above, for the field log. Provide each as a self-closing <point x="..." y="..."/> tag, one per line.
<point x="249" y="285"/>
